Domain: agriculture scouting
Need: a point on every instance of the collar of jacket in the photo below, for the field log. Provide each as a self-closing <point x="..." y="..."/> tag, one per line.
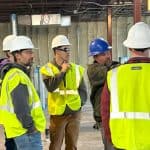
<point x="23" y="68"/>
<point x="139" y="60"/>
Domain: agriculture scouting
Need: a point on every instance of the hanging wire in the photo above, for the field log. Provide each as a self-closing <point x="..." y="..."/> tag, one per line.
<point x="110" y="5"/>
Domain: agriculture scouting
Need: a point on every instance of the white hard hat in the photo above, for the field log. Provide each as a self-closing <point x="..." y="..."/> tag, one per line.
<point x="60" y="40"/>
<point x="7" y="42"/>
<point x="21" y="42"/>
<point x="138" y="36"/>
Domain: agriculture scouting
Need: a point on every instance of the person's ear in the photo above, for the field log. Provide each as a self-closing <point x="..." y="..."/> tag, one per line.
<point x="131" y="49"/>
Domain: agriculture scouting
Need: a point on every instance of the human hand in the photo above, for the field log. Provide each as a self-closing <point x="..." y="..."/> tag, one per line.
<point x="65" y="66"/>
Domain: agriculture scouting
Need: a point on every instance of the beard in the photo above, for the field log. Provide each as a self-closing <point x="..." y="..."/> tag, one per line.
<point x="29" y="63"/>
<point x="108" y="62"/>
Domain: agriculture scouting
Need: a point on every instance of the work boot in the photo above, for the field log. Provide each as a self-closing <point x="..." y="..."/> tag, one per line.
<point x="97" y="125"/>
<point x="47" y="135"/>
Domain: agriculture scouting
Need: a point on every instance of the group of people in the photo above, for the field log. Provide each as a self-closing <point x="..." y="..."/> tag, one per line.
<point x="119" y="94"/>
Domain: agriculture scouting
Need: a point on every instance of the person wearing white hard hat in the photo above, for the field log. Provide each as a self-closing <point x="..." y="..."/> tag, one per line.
<point x="21" y="104"/>
<point x="66" y="95"/>
<point x="126" y="95"/>
<point x="6" y="46"/>
<point x="6" y="63"/>
<point x="24" y="45"/>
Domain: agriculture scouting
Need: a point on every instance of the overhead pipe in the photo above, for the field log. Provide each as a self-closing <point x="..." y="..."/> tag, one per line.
<point x="148" y="5"/>
<point x="14" y="24"/>
<point x="53" y="3"/>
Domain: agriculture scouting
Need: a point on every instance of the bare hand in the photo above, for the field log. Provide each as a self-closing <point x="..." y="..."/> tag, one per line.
<point x="65" y="66"/>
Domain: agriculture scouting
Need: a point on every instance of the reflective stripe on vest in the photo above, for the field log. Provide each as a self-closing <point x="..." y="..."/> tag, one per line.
<point x="64" y="92"/>
<point x="115" y="114"/>
<point x="130" y="115"/>
<point x="11" y="110"/>
<point x="77" y="76"/>
<point x="114" y="93"/>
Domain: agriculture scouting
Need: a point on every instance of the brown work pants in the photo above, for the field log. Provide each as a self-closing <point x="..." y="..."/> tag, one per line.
<point x="64" y="126"/>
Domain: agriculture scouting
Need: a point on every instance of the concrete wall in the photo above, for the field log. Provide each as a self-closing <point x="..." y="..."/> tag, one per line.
<point x="79" y="34"/>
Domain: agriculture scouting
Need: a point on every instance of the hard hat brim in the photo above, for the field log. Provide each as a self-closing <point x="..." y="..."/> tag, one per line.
<point x="136" y="45"/>
<point x="98" y="52"/>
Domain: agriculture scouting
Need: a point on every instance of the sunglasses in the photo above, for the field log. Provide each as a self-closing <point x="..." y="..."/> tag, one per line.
<point x="65" y="49"/>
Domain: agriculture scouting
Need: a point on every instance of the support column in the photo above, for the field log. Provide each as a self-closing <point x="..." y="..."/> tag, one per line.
<point x="137" y="10"/>
<point x="109" y="25"/>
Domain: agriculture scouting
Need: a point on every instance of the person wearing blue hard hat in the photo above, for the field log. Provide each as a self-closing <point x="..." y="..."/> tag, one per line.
<point x="100" y="50"/>
<point x="98" y="46"/>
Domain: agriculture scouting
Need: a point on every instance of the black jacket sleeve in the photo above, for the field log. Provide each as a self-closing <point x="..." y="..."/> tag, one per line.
<point x="53" y="82"/>
<point x="82" y="92"/>
<point x="20" y="99"/>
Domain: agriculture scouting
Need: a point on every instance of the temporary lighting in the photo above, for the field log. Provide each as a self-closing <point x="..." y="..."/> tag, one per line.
<point x="65" y="21"/>
<point x="148" y="5"/>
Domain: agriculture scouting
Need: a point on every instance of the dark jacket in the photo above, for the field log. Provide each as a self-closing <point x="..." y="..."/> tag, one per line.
<point x="97" y="75"/>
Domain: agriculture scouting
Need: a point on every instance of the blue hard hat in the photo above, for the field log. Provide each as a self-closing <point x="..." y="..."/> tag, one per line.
<point x="98" y="46"/>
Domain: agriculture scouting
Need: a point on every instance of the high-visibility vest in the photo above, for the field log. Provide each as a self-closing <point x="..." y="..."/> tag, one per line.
<point x="65" y="94"/>
<point x="129" y="86"/>
<point x="9" y="120"/>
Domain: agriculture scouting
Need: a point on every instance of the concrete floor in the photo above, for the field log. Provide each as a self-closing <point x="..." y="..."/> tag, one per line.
<point x="89" y="138"/>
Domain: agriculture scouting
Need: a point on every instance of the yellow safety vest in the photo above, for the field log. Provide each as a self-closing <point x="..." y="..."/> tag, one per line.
<point x="64" y="95"/>
<point x="129" y="85"/>
<point x="12" y="125"/>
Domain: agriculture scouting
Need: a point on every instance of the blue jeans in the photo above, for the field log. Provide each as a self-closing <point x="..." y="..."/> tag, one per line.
<point x="29" y="141"/>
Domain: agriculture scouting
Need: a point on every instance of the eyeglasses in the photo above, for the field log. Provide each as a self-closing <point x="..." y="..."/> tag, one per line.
<point x="65" y="49"/>
<point x="26" y="51"/>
